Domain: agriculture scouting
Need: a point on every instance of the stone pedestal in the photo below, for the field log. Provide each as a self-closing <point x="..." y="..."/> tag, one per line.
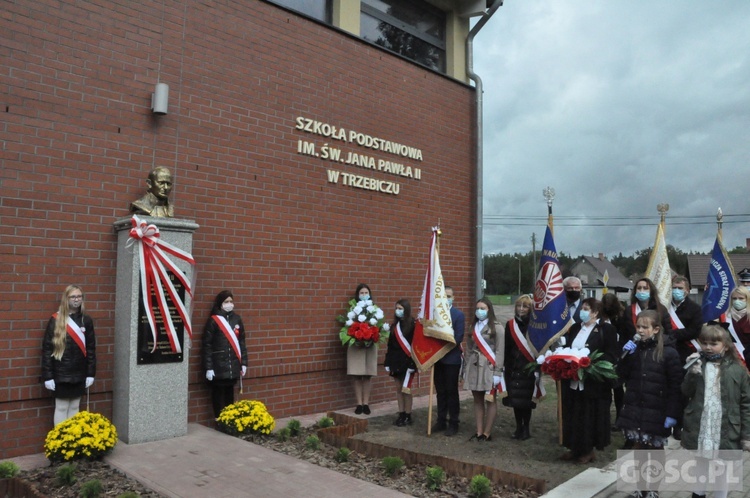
<point x="150" y="401"/>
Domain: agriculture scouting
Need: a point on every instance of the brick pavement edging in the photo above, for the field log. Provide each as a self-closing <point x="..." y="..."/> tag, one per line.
<point x="18" y="488"/>
<point x="346" y="427"/>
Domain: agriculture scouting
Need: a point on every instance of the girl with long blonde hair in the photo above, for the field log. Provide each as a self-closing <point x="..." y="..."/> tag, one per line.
<point x="69" y="354"/>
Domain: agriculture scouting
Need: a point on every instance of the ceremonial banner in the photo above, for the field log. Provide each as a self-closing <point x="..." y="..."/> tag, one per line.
<point x="658" y="270"/>
<point x="433" y="333"/>
<point x="719" y="284"/>
<point x="549" y="316"/>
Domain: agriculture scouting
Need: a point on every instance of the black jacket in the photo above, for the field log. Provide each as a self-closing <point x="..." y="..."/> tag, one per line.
<point x="652" y="389"/>
<point x="218" y="354"/>
<point x="395" y="359"/>
<point x="602" y="338"/>
<point x="73" y="367"/>
<point x="519" y="381"/>
<point x="691" y="316"/>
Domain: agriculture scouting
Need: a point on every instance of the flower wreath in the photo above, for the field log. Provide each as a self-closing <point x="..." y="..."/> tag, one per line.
<point x="363" y="325"/>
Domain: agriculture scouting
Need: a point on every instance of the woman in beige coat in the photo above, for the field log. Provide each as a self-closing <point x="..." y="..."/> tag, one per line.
<point x="483" y="367"/>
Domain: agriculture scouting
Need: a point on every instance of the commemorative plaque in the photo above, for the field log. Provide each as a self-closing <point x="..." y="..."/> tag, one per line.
<point x="163" y="352"/>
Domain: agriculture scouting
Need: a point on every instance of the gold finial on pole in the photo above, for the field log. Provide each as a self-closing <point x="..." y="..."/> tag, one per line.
<point x="662" y="208"/>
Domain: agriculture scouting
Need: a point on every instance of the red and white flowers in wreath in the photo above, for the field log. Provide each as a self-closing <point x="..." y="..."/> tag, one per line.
<point x="575" y="364"/>
<point x="363" y="325"/>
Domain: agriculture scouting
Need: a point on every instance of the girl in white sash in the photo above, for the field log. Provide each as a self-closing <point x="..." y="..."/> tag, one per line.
<point x="483" y="367"/>
<point x="398" y="361"/>
<point x="224" y="351"/>
<point x="69" y="354"/>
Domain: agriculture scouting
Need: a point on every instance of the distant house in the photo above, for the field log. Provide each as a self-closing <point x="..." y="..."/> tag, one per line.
<point x="592" y="273"/>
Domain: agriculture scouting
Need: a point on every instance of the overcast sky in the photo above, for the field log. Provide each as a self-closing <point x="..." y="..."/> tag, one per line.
<point x="619" y="106"/>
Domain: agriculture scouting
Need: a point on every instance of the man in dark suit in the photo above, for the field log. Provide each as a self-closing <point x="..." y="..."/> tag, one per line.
<point x="573" y="287"/>
<point x="447" y="370"/>
<point x="687" y="321"/>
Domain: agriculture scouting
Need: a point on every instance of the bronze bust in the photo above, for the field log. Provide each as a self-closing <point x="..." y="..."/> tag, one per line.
<point x="156" y="201"/>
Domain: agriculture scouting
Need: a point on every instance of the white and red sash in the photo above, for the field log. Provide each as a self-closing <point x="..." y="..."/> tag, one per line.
<point x="482" y="345"/>
<point x="520" y="340"/>
<point x="677" y="324"/>
<point x="408" y="381"/>
<point x="405" y="346"/>
<point x="635" y="309"/>
<point x="525" y="348"/>
<point x="76" y="333"/>
<point x="229" y="334"/>
<point x="737" y="343"/>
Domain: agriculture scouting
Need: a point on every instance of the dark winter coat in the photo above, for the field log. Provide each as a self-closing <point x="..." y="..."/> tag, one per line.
<point x="395" y="359"/>
<point x="73" y="367"/>
<point x="518" y="380"/>
<point x="652" y="389"/>
<point x="218" y="354"/>
<point x="691" y="316"/>
<point x="735" y="406"/>
<point x="603" y="338"/>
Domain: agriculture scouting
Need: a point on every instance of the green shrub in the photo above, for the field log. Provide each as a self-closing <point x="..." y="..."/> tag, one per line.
<point x="8" y="469"/>
<point x="294" y="427"/>
<point x="392" y="465"/>
<point x="480" y="486"/>
<point x="66" y="475"/>
<point x="128" y="494"/>
<point x="312" y="443"/>
<point x="325" y="422"/>
<point x="283" y="434"/>
<point x="91" y="489"/>
<point x="343" y="455"/>
<point x="435" y="478"/>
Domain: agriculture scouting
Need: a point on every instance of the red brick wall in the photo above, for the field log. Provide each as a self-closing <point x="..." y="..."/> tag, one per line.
<point x="79" y="140"/>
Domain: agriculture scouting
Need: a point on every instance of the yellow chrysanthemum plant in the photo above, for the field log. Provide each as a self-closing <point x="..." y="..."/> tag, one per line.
<point x="85" y="435"/>
<point x="246" y="417"/>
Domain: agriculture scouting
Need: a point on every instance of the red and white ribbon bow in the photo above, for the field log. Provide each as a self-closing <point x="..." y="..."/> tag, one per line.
<point x="154" y="264"/>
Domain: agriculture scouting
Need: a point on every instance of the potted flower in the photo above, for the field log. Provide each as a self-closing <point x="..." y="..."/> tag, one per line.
<point x="85" y="435"/>
<point x="245" y="417"/>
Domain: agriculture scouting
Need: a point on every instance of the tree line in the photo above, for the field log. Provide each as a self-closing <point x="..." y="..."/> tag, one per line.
<point x="501" y="271"/>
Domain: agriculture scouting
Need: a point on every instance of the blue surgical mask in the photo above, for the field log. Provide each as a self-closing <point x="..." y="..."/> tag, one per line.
<point x="678" y="295"/>
<point x="481" y="314"/>
<point x="450" y="301"/>
<point x="585" y="315"/>
<point x="364" y="297"/>
<point x="642" y="295"/>
<point x="399" y="313"/>
<point x="739" y="304"/>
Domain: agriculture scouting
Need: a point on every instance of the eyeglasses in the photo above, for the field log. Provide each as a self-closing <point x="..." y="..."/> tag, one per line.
<point x="75" y="298"/>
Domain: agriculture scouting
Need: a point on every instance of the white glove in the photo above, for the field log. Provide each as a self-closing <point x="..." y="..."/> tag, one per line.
<point x="50" y="384"/>
<point x="209" y="375"/>
<point x="410" y="370"/>
<point x="562" y="341"/>
<point x="244" y="370"/>
<point x="89" y="381"/>
<point x="495" y="380"/>
<point x="387" y="369"/>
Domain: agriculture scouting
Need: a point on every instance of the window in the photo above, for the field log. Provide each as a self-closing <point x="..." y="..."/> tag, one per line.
<point x="317" y="9"/>
<point x="411" y="28"/>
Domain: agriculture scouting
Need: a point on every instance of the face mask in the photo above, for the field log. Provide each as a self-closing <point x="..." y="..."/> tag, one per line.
<point x="585" y="315"/>
<point x="739" y="304"/>
<point x="573" y="296"/>
<point x="642" y="295"/>
<point x="74" y="305"/>
<point x="450" y="301"/>
<point x="712" y="356"/>
<point x="481" y="314"/>
<point x="678" y="295"/>
<point x="364" y="297"/>
<point x="399" y="313"/>
<point x="227" y="307"/>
